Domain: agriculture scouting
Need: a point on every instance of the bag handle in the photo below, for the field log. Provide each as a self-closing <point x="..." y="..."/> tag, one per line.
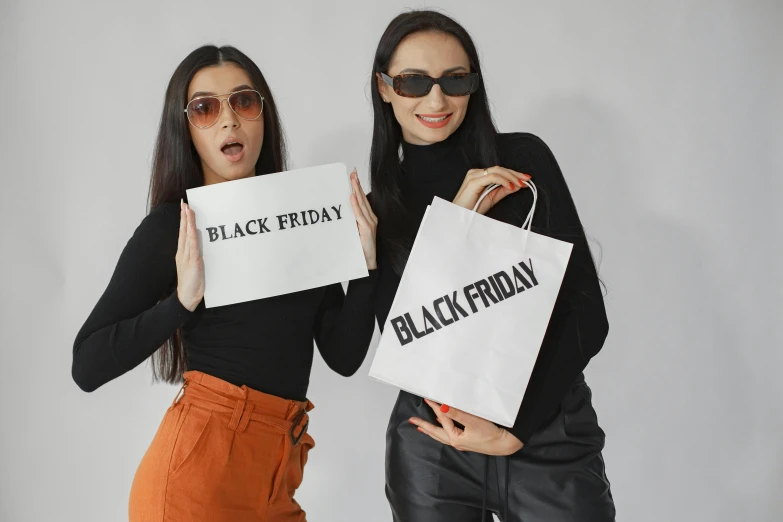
<point x="529" y="220"/>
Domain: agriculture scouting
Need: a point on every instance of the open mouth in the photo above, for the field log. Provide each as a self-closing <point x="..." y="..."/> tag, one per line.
<point x="233" y="150"/>
<point x="434" y="121"/>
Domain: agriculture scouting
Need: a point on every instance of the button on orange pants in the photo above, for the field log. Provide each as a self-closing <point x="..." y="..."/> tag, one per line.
<point x="223" y="453"/>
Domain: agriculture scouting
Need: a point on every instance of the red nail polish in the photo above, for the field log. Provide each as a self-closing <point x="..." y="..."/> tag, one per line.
<point x="444" y="408"/>
<point x="409" y="420"/>
<point x="420" y="430"/>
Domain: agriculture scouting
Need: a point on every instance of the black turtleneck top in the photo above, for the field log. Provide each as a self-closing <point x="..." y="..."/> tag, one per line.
<point x="266" y="344"/>
<point x="578" y="326"/>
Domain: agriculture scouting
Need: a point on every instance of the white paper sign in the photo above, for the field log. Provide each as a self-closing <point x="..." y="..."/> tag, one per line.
<point x="276" y="234"/>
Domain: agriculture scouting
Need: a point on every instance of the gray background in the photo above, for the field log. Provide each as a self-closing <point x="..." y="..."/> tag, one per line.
<point x="665" y="117"/>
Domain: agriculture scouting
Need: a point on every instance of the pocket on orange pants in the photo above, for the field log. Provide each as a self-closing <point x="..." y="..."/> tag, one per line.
<point x="297" y="462"/>
<point x="190" y="436"/>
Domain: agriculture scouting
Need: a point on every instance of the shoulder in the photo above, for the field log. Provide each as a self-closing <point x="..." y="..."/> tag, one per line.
<point x="163" y="215"/>
<point x="161" y="224"/>
<point x="527" y="153"/>
<point x="506" y="140"/>
<point x="524" y="150"/>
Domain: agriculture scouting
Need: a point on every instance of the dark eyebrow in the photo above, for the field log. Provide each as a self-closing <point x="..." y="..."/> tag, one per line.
<point x="420" y="71"/>
<point x="207" y="93"/>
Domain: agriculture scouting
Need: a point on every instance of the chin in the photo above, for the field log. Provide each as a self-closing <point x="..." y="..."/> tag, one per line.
<point x="434" y="135"/>
<point x="235" y="173"/>
<point x="247" y="173"/>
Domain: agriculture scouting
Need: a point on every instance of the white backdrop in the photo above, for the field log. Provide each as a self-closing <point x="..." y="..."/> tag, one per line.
<point x="665" y="117"/>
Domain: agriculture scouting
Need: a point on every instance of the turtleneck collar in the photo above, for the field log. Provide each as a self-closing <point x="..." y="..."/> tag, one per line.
<point x="433" y="170"/>
<point x="439" y="162"/>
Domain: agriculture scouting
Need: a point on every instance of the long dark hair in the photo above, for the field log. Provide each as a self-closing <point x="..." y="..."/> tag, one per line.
<point x="478" y="141"/>
<point x="176" y="166"/>
<point x="476" y="133"/>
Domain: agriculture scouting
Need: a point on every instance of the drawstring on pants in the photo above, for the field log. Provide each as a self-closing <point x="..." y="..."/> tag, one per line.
<point x="505" y="505"/>
<point x="484" y="489"/>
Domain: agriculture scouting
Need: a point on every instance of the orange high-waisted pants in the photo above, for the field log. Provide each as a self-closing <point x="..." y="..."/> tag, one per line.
<point x="223" y="453"/>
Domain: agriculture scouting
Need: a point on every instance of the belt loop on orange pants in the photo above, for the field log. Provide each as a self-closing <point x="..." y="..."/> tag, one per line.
<point x="242" y="413"/>
<point x="296" y="424"/>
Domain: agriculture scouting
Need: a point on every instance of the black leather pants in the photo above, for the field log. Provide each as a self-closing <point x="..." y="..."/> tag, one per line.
<point x="558" y="476"/>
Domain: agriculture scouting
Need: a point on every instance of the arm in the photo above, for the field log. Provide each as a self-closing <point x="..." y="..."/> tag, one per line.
<point x="579" y="325"/>
<point x="345" y="324"/>
<point x="130" y="321"/>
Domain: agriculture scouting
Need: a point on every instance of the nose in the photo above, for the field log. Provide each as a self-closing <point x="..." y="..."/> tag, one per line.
<point x="436" y="99"/>
<point x="227" y="116"/>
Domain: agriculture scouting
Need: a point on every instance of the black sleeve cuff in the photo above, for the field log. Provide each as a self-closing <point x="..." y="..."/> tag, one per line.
<point x="523" y="431"/>
<point x="372" y="275"/>
<point x="173" y="309"/>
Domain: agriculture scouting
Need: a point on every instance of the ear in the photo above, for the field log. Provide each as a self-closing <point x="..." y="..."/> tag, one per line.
<point x="382" y="87"/>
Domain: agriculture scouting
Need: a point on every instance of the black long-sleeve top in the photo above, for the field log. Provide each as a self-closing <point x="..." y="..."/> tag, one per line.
<point x="578" y="326"/>
<point x="266" y="344"/>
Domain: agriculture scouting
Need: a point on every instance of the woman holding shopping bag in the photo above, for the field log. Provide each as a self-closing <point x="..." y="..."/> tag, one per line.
<point x="443" y="464"/>
<point x="234" y="443"/>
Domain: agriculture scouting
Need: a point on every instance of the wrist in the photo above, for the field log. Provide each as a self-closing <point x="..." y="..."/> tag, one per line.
<point x="189" y="304"/>
<point x="509" y="443"/>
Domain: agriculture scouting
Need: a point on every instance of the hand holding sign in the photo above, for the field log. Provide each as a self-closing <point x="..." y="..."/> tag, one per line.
<point x="366" y="221"/>
<point x="281" y="233"/>
<point x="190" y="266"/>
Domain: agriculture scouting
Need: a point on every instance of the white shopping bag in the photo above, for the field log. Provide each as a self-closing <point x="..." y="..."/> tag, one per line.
<point x="471" y="311"/>
<point x="276" y="234"/>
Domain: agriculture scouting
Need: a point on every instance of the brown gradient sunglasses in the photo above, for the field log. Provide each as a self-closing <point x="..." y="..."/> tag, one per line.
<point x="204" y="111"/>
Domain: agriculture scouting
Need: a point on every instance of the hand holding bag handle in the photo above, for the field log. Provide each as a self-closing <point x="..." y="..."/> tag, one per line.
<point x="529" y="219"/>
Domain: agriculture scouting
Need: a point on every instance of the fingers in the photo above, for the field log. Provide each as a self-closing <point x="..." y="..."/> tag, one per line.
<point x="193" y="235"/>
<point x="366" y="202"/>
<point x="500" y="175"/>
<point x="477" y="180"/>
<point x="361" y="198"/>
<point x="478" y="184"/>
<point x="190" y="236"/>
<point x="516" y="178"/>
<point x="453" y="414"/>
<point x="186" y="251"/>
<point x="494" y="197"/>
<point x="361" y="218"/>
<point x="358" y="194"/>
<point x="436" y="432"/>
<point x="448" y="426"/>
<point x="367" y="208"/>
<point x="182" y="229"/>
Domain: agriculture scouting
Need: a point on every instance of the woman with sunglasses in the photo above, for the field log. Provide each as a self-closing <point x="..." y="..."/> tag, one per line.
<point x="443" y="464"/>
<point x="234" y="443"/>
